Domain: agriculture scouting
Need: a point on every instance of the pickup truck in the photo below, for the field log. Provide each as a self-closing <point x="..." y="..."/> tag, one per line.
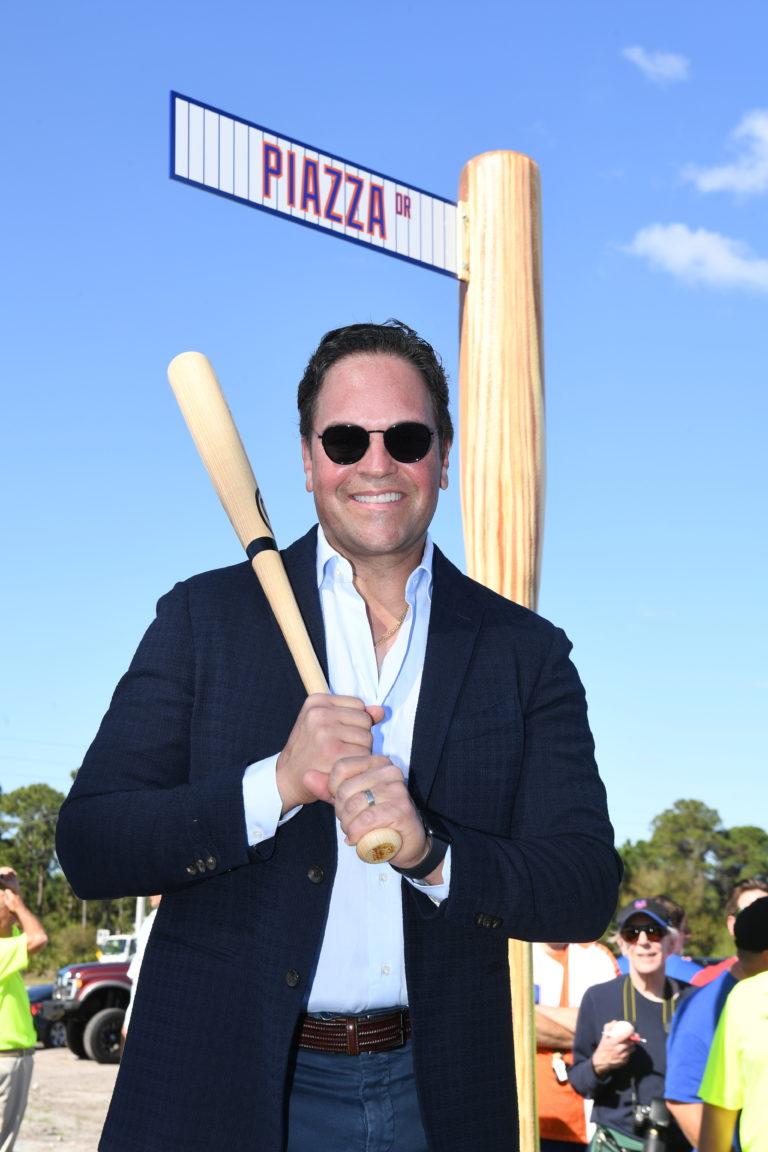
<point x="91" y="999"/>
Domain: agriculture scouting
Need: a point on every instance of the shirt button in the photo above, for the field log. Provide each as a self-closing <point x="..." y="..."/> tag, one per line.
<point x="383" y="877"/>
<point x="385" y="969"/>
<point x="292" y="978"/>
<point x="258" y="834"/>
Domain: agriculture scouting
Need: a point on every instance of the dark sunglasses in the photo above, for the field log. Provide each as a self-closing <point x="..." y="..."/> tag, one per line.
<point x="348" y="443"/>
<point x="654" y="932"/>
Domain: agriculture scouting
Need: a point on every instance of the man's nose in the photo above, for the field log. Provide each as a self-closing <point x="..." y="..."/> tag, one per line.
<point x="376" y="459"/>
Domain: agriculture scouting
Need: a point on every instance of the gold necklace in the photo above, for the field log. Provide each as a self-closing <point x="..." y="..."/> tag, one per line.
<point x="392" y="631"/>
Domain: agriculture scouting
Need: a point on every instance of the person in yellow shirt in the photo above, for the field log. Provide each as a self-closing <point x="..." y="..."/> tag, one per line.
<point x="735" y="1083"/>
<point x="21" y="935"/>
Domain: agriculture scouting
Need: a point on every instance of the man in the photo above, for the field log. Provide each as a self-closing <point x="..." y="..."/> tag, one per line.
<point x="742" y="895"/>
<point x="561" y="974"/>
<point x="21" y="936"/>
<point x="693" y="1029"/>
<point x="735" y="1084"/>
<point x="134" y="968"/>
<point x="619" y="1051"/>
<point x="681" y="968"/>
<point x="283" y="977"/>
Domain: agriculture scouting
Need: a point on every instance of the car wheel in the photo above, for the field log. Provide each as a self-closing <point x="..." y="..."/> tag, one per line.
<point x="102" y="1036"/>
<point x="56" y="1036"/>
<point x="74" y="1029"/>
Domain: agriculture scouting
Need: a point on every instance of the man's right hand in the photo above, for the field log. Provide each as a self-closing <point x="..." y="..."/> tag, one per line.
<point x="613" y="1051"/>
<point x="327" y="729"/>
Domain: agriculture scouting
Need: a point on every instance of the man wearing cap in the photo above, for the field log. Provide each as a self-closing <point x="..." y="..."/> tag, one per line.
<point x="619" y="1051"/>
<point x="735" y="1084"/>
<point x="693" y="1029"/>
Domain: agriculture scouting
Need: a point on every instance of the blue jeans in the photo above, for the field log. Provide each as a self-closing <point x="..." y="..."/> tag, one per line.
<point x="364" y="1103"/>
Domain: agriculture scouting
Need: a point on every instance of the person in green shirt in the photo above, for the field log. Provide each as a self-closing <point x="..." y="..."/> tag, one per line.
<point x="21" y="935"/>
<point x="735" y="1083"/>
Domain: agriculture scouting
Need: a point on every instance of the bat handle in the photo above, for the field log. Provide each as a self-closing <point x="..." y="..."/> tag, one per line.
<point x="379" y="845"/>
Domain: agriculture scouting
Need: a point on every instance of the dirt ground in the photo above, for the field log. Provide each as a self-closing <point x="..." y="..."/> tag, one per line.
<point x="68" y="1101"/>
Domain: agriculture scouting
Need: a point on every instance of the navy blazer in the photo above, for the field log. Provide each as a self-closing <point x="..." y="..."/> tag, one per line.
<point x="502" y="760"/>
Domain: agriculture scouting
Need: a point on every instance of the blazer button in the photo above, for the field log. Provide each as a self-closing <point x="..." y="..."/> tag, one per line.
<point x="483" y="921"/>
<point x="316" y="874"/>
<point x="201" y="865"/>
<point x="191" y="869"/>
<point x="292" y="978"/>
<point x="211" y="863"/>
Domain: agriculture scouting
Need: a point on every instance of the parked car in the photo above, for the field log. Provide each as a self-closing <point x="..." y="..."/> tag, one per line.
<point x="50" y="1033"/>
<point x="90" y="1000"/>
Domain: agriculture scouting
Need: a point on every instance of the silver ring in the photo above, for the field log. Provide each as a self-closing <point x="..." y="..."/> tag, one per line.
<point x="369" y="796"/>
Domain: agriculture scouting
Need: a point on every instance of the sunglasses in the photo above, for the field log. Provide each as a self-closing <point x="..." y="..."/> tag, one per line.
<point x="348" y="443"/>
<point x="653" y="932"/>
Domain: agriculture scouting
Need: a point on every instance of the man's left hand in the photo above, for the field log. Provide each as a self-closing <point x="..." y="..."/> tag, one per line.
<point x="351" y="778"/>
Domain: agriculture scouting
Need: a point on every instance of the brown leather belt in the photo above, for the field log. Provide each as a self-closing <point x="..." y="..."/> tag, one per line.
<point x="355" y="1034"/>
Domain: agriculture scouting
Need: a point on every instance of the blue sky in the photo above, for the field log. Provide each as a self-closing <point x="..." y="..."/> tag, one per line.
<point x="649" y="122"/>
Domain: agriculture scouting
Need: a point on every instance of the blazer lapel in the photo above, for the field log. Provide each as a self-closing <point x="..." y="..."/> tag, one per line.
<point x="453" y="626"/>
<point x="300" y="561"/>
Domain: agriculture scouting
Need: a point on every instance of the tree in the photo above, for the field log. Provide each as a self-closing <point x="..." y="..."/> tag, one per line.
<point x="29" y="833"/>
<point x="696" y="861"/>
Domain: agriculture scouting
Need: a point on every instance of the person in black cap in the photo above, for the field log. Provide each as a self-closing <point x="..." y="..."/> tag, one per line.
<point x="619" y="1051"/>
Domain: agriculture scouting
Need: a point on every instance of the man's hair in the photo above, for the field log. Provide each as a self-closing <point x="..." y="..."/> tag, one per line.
<point x="392" y="338"/>
<point x="675" y="911"/>
<point x="751" y="884"/>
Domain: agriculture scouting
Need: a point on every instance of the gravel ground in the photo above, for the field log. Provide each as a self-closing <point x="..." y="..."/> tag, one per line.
<point x="68" y="1101"/>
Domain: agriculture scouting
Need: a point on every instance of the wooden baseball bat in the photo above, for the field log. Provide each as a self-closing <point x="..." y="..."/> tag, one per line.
<point x="502" y="422"/>
<point x="215" y="434"/>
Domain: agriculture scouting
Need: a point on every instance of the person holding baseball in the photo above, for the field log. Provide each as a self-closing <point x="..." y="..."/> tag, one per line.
<point x="620" y="1045"/>
<point x="294" y="997"/>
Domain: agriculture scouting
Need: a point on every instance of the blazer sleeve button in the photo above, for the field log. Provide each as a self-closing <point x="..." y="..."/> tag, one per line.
<point x="316" y="874"/>
<point x="292" y="978"/>
<point x="211" y="863"/>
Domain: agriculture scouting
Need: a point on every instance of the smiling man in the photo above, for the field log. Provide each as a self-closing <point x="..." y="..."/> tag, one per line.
<point x="619" y="1050"/>
<point x="303" y="999"/>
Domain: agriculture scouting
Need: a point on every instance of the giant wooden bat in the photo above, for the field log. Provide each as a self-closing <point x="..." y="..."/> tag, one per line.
<point x="502" y="446"/>
<point x="213" y="430"/>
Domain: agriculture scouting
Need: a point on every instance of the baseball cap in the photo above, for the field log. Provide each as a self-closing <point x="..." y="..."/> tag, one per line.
<point x="650" y="908"/>
<point x="751" y="927"/>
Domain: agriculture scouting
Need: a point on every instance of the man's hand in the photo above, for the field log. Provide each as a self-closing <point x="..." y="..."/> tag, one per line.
<point x="9" y="879"/>
<point x="393" y="807"/>
<point x="27" y="922"/>
<point x="327" y="729"/>
<point x="612" y="1051"/>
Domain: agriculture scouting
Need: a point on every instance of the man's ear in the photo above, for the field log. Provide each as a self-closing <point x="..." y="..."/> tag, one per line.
<point x="444" y="465"/>
<point x="306" y="456"/>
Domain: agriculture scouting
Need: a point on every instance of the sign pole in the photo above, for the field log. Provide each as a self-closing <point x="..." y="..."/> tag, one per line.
<point x="501" y="440"/>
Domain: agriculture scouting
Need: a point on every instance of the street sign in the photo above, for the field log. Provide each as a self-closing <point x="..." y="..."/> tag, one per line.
<point x="256" y="166"/>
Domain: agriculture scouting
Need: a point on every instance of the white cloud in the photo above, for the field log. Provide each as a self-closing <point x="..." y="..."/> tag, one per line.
<point x="749" y="173"/>
<point x="659" y="67"/>
<point x="700" y="257"/>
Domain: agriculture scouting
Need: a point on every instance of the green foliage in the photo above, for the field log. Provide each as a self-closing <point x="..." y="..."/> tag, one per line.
<point x="693" y="859"/>
<point x="28" y="818"/>
<point x="28" y="829"/>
